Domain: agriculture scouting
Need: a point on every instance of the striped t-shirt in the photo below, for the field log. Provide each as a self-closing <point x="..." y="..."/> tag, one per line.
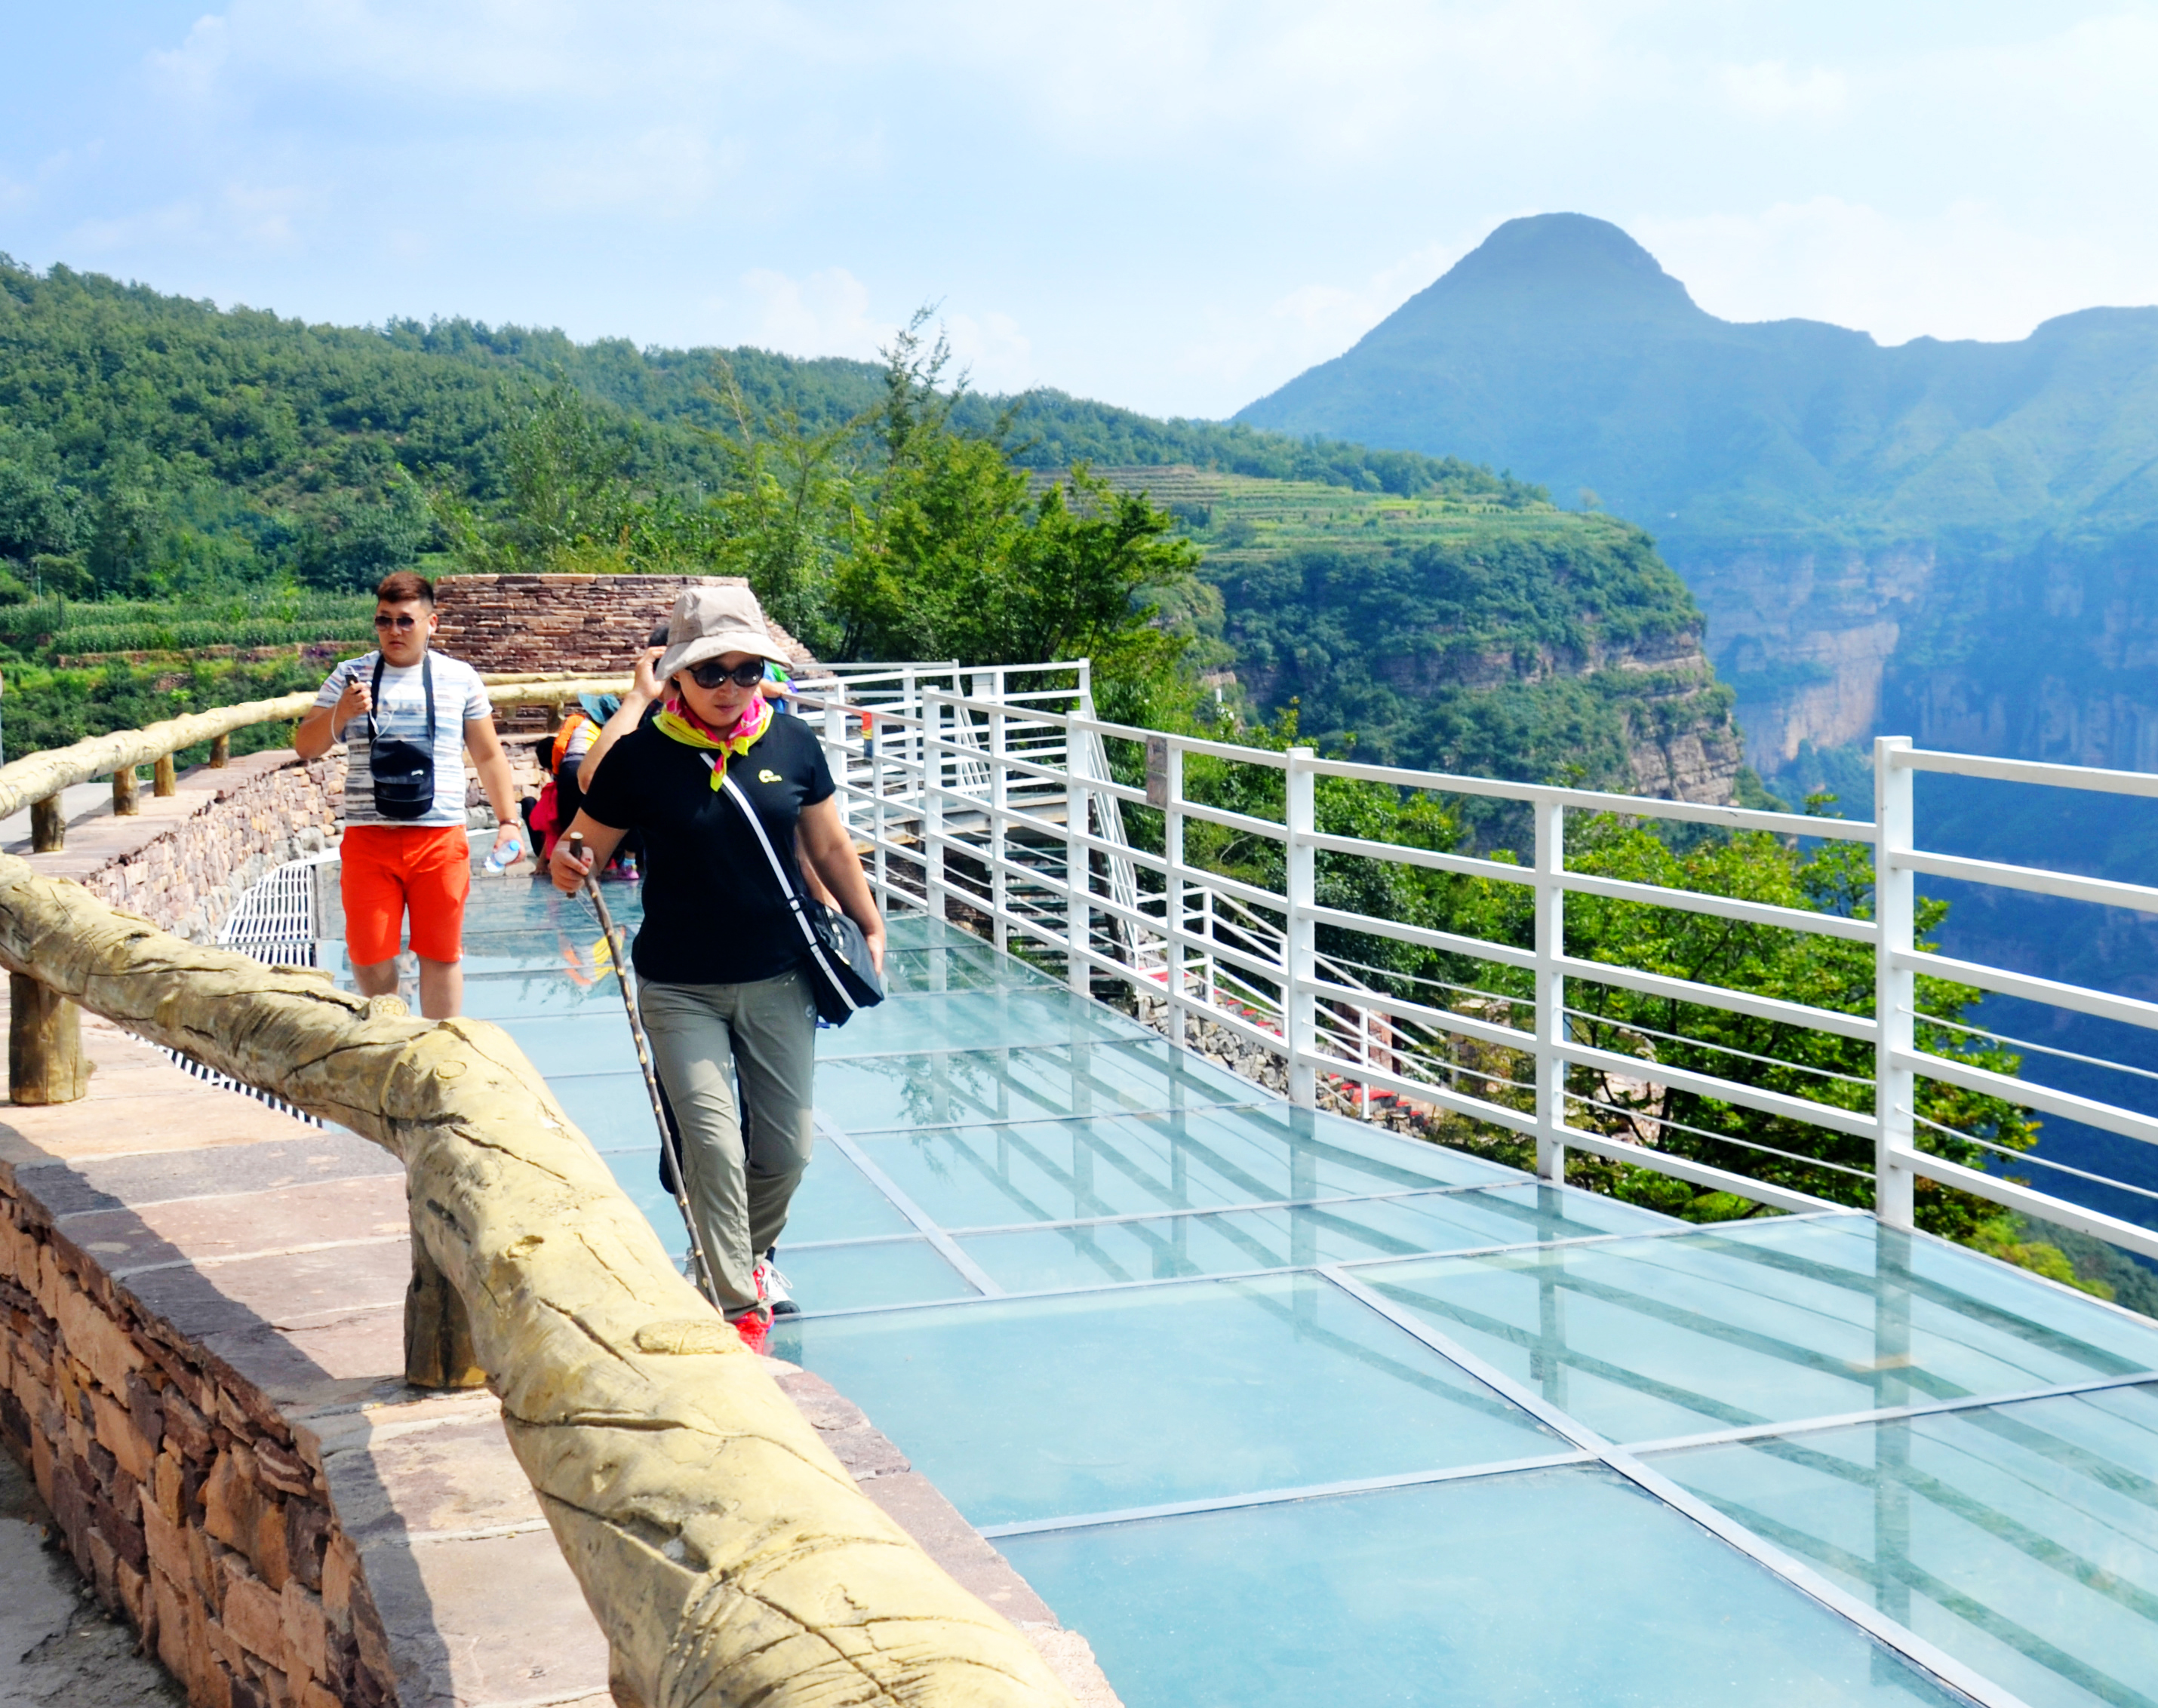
<point x="400" y="713"/>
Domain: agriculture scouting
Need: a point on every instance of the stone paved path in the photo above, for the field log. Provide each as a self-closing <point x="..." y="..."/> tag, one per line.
<point x="57" y="1647"/>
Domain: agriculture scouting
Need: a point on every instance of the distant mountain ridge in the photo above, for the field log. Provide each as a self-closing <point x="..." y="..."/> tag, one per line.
<point x="1944" y="538"/>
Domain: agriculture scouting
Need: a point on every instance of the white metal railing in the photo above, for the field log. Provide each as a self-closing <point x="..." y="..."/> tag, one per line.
<point x="992" y="790"/>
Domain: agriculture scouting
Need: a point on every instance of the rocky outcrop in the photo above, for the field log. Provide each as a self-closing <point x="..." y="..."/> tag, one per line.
<point x="1805" y="634"/>
<point x="2045" y="652"/>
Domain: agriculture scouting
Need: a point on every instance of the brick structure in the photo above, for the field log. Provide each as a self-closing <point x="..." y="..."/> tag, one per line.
<point x="589" y="623"/>
<point x="185" y="1495"/>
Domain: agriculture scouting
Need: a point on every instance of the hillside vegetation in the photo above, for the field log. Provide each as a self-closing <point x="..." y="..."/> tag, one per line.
<point x="179" y="483"/>
<point x="1485" y="633"/>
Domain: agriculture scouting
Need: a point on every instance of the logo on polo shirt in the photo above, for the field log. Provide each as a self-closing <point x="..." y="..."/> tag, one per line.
<point x="769" y="776"/>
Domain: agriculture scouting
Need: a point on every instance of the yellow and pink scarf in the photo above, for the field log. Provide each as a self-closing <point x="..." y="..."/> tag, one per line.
<point x="676" y="721"/>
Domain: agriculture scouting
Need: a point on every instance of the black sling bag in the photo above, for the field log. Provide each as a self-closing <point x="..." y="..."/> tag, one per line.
<point x="404" y="773"/>
<point x="843" y="978"/>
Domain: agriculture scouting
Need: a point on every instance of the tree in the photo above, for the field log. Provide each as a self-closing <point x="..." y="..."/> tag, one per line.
<point x="962" y="558"/>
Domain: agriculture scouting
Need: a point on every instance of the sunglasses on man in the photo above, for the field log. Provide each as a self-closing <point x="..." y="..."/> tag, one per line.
<point x="404" y="623"/>
<point x="712" y="673"/>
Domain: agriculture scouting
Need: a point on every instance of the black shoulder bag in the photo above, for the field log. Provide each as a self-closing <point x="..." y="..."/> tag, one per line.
<point x="835" y="954"/>
<point x="404" y="774"/>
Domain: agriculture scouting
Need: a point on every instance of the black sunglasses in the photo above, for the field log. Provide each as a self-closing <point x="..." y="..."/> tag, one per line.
<point x="383" y="620"/>
<point x="712" y="673"/>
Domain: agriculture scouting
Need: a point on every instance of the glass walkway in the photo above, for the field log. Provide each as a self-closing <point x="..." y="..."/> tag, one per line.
<point x="1278" y="1409"/>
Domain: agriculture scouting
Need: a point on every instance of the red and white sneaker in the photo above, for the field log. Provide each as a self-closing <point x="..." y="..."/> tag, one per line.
<point x="771" y="1287"/>
<point x="755" y="1328"/>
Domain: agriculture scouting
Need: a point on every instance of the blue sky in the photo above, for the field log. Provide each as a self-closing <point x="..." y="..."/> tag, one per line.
<point x="1173" y="205"/>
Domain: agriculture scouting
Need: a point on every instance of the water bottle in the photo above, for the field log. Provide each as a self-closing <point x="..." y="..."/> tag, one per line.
<point x="500" y="858"/>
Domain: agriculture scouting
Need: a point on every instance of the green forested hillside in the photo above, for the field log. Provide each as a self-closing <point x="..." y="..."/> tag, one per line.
<point x="1496" y="637"/>
<point x="188" y="495"/>
<point x="151" y="444"/>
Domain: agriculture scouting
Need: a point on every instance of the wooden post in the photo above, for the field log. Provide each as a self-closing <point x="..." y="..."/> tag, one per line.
<point x="438" y="1341"/>
<point x="220" y="751"/>
<point x="127" y="792"/>
<point x="48" y="826"/>
<point x="167" y="783"/>
<point x="45" y="1062"/>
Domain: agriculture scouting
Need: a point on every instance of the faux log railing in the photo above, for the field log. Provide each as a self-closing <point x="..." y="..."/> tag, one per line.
<point x="725" y="1553"/>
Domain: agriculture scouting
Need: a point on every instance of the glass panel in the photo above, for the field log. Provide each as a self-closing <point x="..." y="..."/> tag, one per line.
<point x="959" y="967"/>
<point x="870" y="1093"/>
<point x="2022" y="1539"/>
<point x="613" y="1110"/>
<point x="975" y="1019"/>
<point x="836" y="1202"/>
<point x="918" y="930"/>
<point x="1274" y="1238"/>
<point x="504" y="996"/>
<point x="1564" y="1587"/>
<point x="637" y="1173"/>
<point x="1764" y="1321"/>
<point x="598" y="1042"/>
<point x="889" y="1273"/>
<point x="1276" y="1150"/>
<point x="1100" y="1401"/>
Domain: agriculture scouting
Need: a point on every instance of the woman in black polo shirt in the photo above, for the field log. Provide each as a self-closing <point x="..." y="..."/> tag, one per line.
<point x="718" y="956"/>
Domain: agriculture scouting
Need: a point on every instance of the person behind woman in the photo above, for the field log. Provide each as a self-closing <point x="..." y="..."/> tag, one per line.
<point x="718" y="956"/>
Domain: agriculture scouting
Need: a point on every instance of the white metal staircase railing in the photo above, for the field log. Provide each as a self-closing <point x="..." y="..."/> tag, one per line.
<point x="993" y="790"/>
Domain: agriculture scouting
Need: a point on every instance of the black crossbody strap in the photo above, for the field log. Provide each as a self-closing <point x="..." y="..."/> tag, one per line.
<point x="815" y="944"/>
<point x="427" y="686"/>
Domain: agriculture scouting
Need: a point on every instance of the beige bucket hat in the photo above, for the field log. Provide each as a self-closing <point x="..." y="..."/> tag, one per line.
<point x="709" y="622"/>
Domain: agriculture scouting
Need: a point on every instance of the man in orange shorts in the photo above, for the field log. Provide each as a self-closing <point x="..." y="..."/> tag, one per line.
<point x="407" y="714"/>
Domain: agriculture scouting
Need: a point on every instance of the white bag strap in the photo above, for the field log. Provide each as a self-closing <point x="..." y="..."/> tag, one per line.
<point x="786" y="885"/>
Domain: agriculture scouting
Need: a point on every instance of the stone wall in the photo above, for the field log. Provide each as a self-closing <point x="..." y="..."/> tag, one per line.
<point x="185" y="1500"/>
<point x="187" y="876"/>
<point x="590" y="623"/>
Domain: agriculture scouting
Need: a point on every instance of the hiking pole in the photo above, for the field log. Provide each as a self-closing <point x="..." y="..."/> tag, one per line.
<point x="619" y="945"/>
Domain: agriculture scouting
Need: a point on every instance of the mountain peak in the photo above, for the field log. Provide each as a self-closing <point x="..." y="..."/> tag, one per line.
<point x="1553" y="267"/>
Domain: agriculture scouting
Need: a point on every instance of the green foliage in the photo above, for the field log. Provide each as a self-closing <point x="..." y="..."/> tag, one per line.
<point x="47" y="707"/>
<point x="1525" y="643"/>
<point x="958" y="561"/>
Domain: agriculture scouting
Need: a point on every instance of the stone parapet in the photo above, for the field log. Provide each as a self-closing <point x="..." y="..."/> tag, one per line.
<point x="591" y="623"/>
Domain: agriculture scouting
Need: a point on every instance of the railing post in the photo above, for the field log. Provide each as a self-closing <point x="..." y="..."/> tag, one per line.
<point x="1206" y="933"/>
<point x="999" y="891"/>
<point x="220" y="751"/>
<point x="931" y="734"/>
<point x="45" y="1062"/>
<point x="165" y="777"/>
<point x="127" y="792"/>
<point x="47" y="825"/>
<point x="1300" y="946"/>
<point x="879" y="829"/>
<point x="1172" y="841"/>
<point x="1895" y="989"/>
<point x="1078" y="869"/>
<point x="1551" y="991"/>
<point x="835" y="749"/>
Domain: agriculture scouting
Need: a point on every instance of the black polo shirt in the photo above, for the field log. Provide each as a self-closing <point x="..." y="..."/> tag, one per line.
<point x="713" y="911"/>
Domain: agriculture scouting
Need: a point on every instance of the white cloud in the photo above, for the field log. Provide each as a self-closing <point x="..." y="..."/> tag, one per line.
<point x="995" y="354"/>
<point x="1967" y="270"/>
<point x="1239" y="355"/>
<point x="825" y="314"/>
<point x="1772" y="91"/>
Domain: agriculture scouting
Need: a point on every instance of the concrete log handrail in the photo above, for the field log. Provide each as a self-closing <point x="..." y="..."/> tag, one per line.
<point x="40" y="776"/>
<point x="726" y="1554"/>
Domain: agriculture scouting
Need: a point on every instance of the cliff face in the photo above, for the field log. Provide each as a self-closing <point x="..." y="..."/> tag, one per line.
<point x="1805" y="635"/>
<point x="2046" y="652"/>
